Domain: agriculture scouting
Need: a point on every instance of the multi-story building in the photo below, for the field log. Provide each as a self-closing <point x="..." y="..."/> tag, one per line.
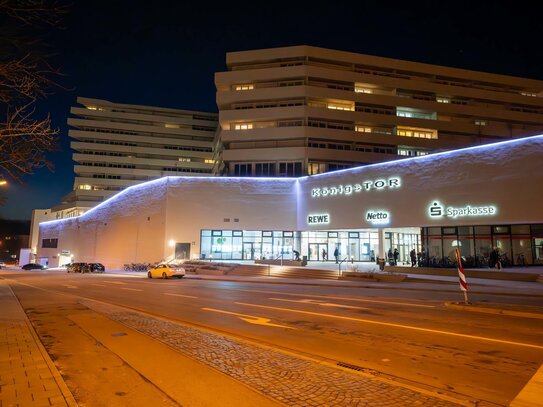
<point x="304" y="110"/>
<point x="118" y="145"/>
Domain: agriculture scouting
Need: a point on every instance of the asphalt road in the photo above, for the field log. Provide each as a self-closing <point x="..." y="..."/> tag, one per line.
<point x="409" y="335"/>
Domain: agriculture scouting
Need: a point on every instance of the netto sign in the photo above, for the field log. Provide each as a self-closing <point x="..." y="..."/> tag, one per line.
<point x="437" y="210"/>
<point x="378" y="217"/>
<point x="380" y="184"/>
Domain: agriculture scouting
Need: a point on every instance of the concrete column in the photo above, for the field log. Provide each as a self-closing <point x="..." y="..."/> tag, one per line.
<point x="382" y="253"/>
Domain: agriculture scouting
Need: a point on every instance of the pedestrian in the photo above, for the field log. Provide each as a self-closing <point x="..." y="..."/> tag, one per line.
<point x="390" y="257"/>
<point x="494" y="259"/>
<point x="396" y="255"/>
<point x="296" y="255"/>
<point x="372" y="256"/>
<point x="413" y="254"/>
<point x="336" y="254"/>
<point x="323" y="254"/>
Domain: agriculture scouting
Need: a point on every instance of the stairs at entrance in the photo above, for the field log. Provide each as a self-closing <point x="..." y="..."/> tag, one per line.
<point x="284" y="272"/>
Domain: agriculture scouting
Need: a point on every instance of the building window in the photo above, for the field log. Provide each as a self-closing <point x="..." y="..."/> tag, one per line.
<point x="209" y="161"/>
<point x="359" y="88"/>
<point x="409" y="152"/>
<point x="264" y="169"/>
<point x="85" y="187"/>
<point x="416" y="132"/>
<point x="480" y="123"/>
<point x="245" y="87"/>
<point x="363" y="129"/>
<point x="415" y="113"/>
<point x="49" y="243"/>
<point x="341" y="106"/>
<point x="242" y="170"/>
<point x="243" y="126"/>
<point x="441" y="99"/>
<point x="290" y="169"/>
<point x="529" y="94"/>
<point x="316" y="168"/>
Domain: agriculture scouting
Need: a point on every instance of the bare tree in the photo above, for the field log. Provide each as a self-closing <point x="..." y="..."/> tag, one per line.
<point x="26" y="77"/>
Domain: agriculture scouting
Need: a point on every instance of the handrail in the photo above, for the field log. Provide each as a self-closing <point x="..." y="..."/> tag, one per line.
<point x="339" y="267"/>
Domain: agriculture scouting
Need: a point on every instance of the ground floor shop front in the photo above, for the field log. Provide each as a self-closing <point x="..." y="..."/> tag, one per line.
<point x="518" y="245"/>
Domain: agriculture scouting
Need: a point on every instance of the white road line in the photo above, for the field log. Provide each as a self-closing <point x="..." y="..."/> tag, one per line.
<point x="69" y="286"/>
<point x="407" y="304"/>
<point x="180" y="295"/>
<point x="114" y="282"/>
<point x="131" y="289"/>
<point x="249" y="318"/>
<point x="414" y="328"/>
<point x="321" y="303"/>
<point x="99" y="285"/>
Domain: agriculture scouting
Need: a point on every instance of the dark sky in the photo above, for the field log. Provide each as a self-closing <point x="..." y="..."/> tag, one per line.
<point x="165" y="53"/>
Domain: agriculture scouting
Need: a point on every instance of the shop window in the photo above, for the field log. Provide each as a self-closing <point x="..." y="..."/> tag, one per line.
<point x="500" y="230"/>
<point x="482" y="230"/>
<point x="237" y="233"/>
<point x="433" y="231"/>
<point x="267" y="234"/>
<point x="49" y="243"/>
<point x="332" y="234"/>
<point x="353" y="235"/>
<point x="288" y="234"/>
<point x="465" y="230"/>
<point x="216" y="233"/>
<point x="520" y="229"/>
<point x="449" y="231"/>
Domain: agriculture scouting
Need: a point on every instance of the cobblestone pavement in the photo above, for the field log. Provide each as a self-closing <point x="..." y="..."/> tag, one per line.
<point x="286" y="378"/>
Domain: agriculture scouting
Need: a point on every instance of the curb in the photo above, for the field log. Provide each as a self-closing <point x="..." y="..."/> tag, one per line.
<point x="496" y="311"/>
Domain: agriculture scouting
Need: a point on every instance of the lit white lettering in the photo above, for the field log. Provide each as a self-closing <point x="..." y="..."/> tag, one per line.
<point x="318" y="219"/>
<point x="436" y="210"/>
<point x="380" y="184"/>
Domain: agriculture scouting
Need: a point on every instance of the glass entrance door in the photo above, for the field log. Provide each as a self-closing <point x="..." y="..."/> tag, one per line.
<point x="318" y="252"/>
<point x="248" y="251"/>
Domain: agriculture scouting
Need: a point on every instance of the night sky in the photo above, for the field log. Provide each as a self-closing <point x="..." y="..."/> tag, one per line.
<point x="165" y="53"/>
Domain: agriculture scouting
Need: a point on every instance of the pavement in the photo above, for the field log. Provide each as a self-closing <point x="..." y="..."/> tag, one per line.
<point x="28" y="376"/>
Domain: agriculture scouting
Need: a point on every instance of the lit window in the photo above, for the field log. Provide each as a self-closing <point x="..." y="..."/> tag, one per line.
<point x="362" y="90"/>
<point x="207" y="161"/>
<point x="341" y="106"/>
<point x="416" y="132"/>
<point x="363" y="129"/>
<point x="95" y="108"/>
<point x="183" y="159"/>
<point x="171" y="126"/>
<point x="243" y="126"/>
<point x="87" y="187"/>
<point x="480" y="123"/>
<point x="529" y="94"/>
<point x="443" y="100"/>
<point x="245" y="87"/>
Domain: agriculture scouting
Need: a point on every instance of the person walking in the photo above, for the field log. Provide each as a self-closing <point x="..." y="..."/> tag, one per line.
<point x="413" y="255"/>
<point x="323" y="254"/>
<point x="396" y="255"/>
<point x="336" y="254"/>
<point x="390" y="257"/>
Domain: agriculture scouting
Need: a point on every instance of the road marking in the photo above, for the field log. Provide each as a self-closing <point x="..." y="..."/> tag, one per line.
<point x="69" y="286"/>
<point x="131" y="289"/>
<point x="114" y="282"/>
<point x="407" y="304"/>
<point x="321" y="303"/>
<point x="99" y="285"/>
<point x="414" y="328"/>
<point x="180" y="295"/>
<point x="249" y="318"/>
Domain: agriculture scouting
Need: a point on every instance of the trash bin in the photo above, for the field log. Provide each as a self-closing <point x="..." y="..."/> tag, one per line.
<point x="381" y="263"/>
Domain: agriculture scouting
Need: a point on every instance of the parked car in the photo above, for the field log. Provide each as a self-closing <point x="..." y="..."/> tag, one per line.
<point x="33" y="266"/>
<point x="166" y="271"/>
<point x="93" y="268"/>
<point x="75" y="267"/>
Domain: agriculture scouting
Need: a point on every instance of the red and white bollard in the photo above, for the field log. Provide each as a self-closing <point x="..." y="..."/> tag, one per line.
<point x="462" y="276"/>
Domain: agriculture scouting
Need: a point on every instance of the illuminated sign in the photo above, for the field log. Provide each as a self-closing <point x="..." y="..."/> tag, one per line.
<point x="378" y="217"/>
<point x="379" y="184"/>
<point x="437" y="210"/>
<point x="318" y="219"/>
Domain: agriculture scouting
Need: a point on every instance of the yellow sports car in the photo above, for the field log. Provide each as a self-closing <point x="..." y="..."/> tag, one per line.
<point x="166" y="271"/>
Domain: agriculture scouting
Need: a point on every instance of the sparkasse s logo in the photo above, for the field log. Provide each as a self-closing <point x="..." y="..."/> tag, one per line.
<point x="436" y="209"/>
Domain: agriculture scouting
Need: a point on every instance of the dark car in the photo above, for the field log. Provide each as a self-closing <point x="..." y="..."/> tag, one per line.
<point x="33" y="266"/>
<point x="93" y="268"/>
<point x="75" y="267"/>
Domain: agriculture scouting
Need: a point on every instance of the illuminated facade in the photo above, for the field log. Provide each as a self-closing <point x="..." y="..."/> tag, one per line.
<point x="476" y="199"/>
<point x="303" y="110"/>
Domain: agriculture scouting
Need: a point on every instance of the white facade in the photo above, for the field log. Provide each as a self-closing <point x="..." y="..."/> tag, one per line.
<point x="495" y="184"/>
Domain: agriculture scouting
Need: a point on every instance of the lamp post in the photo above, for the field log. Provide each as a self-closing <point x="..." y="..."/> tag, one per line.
<point x="3" y="182"/>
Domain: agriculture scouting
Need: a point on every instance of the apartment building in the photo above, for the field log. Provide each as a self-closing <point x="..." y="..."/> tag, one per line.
<point x="305" y="110"/>
<point x="119" y="145"/>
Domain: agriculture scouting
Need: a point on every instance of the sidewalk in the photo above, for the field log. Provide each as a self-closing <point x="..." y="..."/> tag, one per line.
<point x="28" y="376"/>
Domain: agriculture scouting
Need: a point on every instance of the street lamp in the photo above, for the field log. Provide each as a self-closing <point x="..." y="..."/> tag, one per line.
<point x="3" y="182"/>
